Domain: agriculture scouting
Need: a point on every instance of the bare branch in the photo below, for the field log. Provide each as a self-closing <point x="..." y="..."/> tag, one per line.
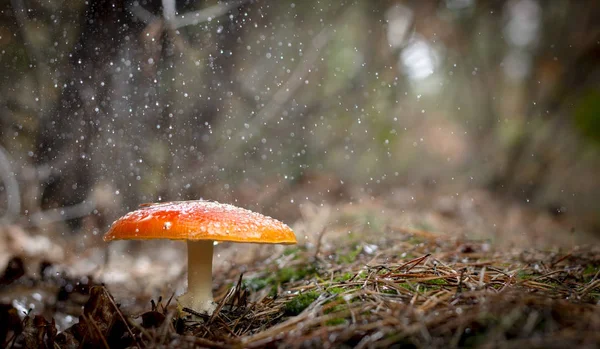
<point x="60" y="214"/>
<point x="190" y="18"/>
<point x="169" y="10"/>
<point x="141" y="14"/>
<point x="206" y="14"/>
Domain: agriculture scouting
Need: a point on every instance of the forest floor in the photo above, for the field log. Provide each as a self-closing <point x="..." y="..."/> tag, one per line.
<point x="381" y="272"/>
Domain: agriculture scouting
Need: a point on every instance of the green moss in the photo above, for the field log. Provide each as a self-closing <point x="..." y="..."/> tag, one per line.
<point x="589" y="272"/>
<point x="336" y="290"/>
<point x="344" y="277"/>
<point x="389" y="291"/>
<point x="297" y="304"/>
<point x="289" y="274"/>
<point x="281" y="276"/>
<point x="349" y="257"/>
<point x="291" y="251"/>
<point x="591" y="269"/>
<point x="336" y="321"/>
<point x="413" y="240"/>
<point x="524" y="275"/>
<point x="406" y="285"/>
<point x="336" y="308"/>
<point x="436" y="282"/>
<point x="257" y="284"/>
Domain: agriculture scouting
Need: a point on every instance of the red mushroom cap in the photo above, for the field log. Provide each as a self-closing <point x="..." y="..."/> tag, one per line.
<point x="199" y="220"/>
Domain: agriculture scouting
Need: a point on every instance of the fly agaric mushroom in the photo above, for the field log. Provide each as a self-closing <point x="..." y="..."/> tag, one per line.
<point x="199" y="223"/>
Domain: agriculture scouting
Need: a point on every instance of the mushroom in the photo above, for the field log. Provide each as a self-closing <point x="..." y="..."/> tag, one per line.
<point x="200" y="223"/>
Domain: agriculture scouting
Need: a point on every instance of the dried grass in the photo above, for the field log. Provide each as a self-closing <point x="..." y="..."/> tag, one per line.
<point x="450" y="295"/>
<point x="379" y="287"/>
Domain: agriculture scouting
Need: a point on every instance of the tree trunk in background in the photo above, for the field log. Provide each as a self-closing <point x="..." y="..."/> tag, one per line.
<point x="107" y="132"/>
<point x="73" y="135"/>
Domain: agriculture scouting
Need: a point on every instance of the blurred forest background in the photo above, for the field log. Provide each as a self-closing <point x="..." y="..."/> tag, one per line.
<point x="270" y="104"/>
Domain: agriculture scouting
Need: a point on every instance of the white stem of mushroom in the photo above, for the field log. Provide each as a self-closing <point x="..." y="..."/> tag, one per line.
<point x="199" y="295"/>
